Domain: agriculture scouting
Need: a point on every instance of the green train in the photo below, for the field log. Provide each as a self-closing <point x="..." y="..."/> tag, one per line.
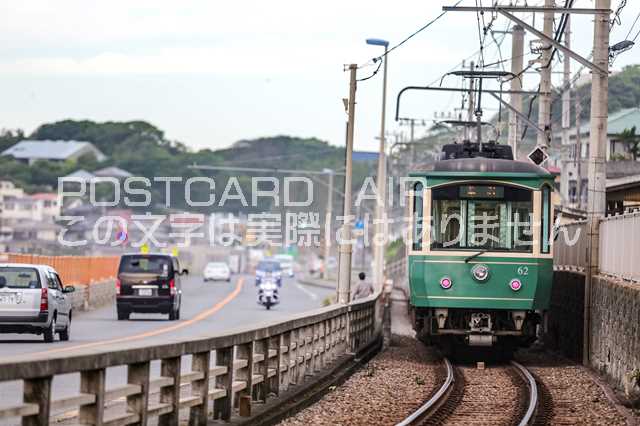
<point x="480" y="252"/>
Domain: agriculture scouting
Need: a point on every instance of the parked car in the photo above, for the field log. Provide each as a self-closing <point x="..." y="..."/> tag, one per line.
<point x="149" y="283"/>
<point x="269" y="268"/>
<point x="286" y="263"/>
<point x="34" y="300"/>
<point x="217" y="271"/>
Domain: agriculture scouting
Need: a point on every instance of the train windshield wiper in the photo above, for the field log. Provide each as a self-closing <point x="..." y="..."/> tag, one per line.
<point x="473" y="256"/>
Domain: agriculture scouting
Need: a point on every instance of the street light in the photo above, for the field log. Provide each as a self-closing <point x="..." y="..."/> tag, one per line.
<point x="378" y="42"/>
<point x="378" y="249"/>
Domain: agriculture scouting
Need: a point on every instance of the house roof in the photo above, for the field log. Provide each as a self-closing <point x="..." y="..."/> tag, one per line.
<point x="618" y="121"/>
<point x="45" y="196"/>
<point x="50" y="150"/>
<point x="81" y="174"/>
<point x="112" y="172"/>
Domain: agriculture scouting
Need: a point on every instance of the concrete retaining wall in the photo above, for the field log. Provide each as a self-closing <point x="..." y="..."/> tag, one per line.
<point x="93" y="296"/>
<point x="615" y="332"/>
<point x="615" y="326"/>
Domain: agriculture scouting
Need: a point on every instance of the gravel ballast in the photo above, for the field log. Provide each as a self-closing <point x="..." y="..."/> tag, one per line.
<point x="385" y="391"/>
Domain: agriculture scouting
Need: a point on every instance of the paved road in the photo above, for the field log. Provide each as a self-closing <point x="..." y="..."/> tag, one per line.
<point x="207" y="308"/>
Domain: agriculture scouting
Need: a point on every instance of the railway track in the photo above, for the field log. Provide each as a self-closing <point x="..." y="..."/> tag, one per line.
<point x="506" y="394"/>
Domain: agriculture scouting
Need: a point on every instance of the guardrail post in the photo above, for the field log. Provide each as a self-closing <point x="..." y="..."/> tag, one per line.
<point x="331" y="341"/>
<point x="317" y="350"/>
<point x="307" y="349"/>
<point x="275" y="363"/>
<point x="92" y="382"/>
<point x="38" y="391"/>
<point x="323" y="344"/>
<point x="170" y="367"/>
<point x="222" y="406"/>
<point x="293" y="356"/>
<point x="285" y="343"/>
<point x="138" y="374"/>
<point x="262" y="388"/>
<point x="198" y="413"/>
<point x="245" y="352"/>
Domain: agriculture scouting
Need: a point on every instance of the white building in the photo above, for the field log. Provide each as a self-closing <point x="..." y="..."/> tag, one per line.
<point x="24" y="216"/>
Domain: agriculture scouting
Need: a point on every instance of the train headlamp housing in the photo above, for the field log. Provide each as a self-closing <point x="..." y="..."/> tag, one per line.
<point x="515" y="284"/>
<point x="480" y="272"/>
<point x="445" y="282"/>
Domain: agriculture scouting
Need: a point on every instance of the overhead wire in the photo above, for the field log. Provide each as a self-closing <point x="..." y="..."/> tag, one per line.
<point x="415" y="33"/>
<point x="379" y="59"/>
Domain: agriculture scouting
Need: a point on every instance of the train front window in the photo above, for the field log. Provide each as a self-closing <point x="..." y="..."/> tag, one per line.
<point x="482" y="217"/>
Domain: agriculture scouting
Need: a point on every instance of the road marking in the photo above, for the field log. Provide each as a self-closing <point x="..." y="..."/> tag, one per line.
<point x="202" y="315"/>
<point x="308" y="292"/>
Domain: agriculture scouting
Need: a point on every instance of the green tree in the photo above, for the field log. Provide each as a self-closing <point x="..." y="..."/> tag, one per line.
<point x="632" y="141"/>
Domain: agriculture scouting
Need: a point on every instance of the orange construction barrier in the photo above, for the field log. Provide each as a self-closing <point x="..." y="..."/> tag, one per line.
<point x="74" y="270"/>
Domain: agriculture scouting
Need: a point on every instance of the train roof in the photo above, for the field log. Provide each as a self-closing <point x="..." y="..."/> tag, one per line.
<point x="493" y="166"/>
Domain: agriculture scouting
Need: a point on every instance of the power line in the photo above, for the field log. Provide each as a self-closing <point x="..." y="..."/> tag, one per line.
<point x="379" y="60"/>
<point x="616" y="16"/>
<point x="632" y="26"/>
<point x="415" y="33"/>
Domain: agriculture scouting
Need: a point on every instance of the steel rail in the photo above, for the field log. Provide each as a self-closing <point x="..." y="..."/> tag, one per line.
<point x="434" y="402"/>
<point x="533" y="393"/>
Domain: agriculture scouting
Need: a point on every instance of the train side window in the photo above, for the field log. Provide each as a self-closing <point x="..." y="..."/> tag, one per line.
<point x="418" y="216"/>
<point x="546" y="219"/>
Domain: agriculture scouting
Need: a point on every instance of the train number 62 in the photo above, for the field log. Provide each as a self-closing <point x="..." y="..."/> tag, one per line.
<point x="523" y="270"/>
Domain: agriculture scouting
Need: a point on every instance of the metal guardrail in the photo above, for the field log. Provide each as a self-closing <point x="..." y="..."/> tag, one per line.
<point x="570" y="248"/>
<point x="620" y="246"/>
<point x="250" y="364"/>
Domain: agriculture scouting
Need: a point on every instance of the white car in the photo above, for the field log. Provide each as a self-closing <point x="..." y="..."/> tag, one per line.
<point x="217" y="271"/>
<point x="33" y="300"/>
<point x="286" y="263"/>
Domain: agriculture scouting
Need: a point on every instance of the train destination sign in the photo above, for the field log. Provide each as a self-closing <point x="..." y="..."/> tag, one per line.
<point x="481" y="191"/>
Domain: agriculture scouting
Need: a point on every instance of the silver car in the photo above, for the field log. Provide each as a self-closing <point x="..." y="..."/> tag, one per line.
<point x="33" y="300"/>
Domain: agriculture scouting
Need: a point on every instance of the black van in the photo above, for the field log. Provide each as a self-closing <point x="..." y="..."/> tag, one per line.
<point x="149" y="283"/>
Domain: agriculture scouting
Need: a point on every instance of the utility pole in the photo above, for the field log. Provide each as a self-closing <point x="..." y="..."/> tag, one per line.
<point x="566" y="94"/>
<point x="578" y="149"/>
<point x="344" y="260"/>
<point x="378" y="248"/>
<point x="412" y="148"/>
<point x="544" y="103"/>
<point x="471" y="106"/>
<point x="597" y="203"/>
<point x="517" y="54"/>
<point x="328" y="222"/>
<point x="566" y="106"/>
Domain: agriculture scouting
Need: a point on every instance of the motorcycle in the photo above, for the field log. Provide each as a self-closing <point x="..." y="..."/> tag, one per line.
<point x="268" y="293"/>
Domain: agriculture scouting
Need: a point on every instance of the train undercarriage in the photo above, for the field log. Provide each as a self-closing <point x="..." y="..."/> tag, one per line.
<point x="505" y="330"/>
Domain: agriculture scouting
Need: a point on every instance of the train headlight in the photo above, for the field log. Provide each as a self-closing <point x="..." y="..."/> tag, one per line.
<point x="446" y="283"/>
<point x="480" y="272"/>
<point x="515" y="284"/>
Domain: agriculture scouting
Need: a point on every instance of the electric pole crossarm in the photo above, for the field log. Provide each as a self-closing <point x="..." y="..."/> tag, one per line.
<point x="518" y="113"/>
<point x="454" y="89"/>
<point x="553" y="42"/>
<point x="515" y="9"/>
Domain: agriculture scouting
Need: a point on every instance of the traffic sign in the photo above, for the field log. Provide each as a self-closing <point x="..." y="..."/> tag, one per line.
<point x="538" y="156"/>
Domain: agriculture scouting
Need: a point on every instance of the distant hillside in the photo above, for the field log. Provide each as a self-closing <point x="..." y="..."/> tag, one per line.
<point x="624" y="92"/>
<point x="142" y="149"/>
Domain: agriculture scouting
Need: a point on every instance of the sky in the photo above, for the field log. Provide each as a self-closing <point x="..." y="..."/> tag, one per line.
<point x="210" y="73"/>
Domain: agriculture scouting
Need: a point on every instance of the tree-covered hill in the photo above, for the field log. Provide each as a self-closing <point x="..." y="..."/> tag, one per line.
<point x="143" y="150"/>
